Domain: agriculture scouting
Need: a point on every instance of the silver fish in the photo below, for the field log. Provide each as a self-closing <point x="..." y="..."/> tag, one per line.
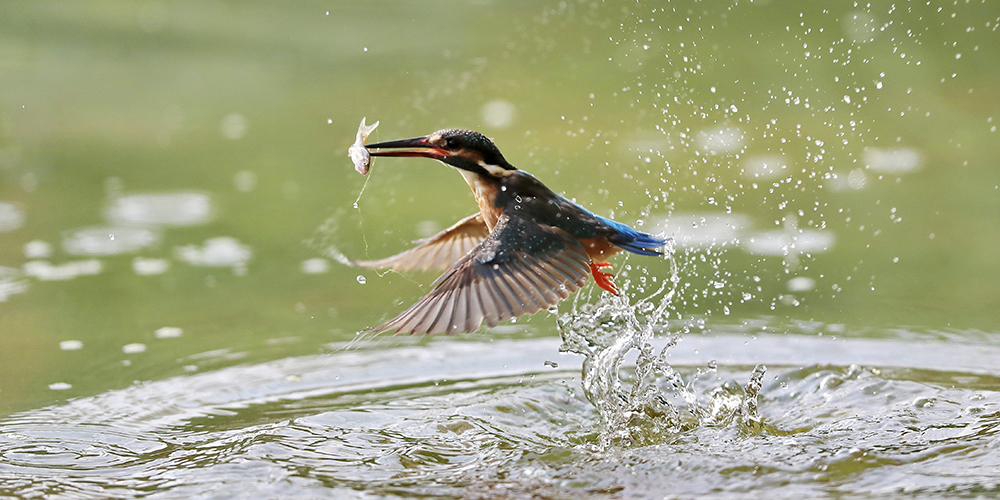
<point x="357" y="152"/>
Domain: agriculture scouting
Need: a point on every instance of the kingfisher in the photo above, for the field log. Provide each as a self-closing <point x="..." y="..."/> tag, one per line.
<point x="525" y="250"/>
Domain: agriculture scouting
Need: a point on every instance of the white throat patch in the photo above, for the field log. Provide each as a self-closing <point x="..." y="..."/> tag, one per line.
<point x="495" y="170"/>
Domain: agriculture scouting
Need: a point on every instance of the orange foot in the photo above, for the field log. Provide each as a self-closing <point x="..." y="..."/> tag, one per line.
<point x="602" y="278"/>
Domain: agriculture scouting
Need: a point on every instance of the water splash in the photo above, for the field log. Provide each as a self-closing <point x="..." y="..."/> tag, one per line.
<point x="652" y="403"/>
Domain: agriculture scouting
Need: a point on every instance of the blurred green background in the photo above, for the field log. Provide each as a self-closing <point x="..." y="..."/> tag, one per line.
<point x="858" y="146"/>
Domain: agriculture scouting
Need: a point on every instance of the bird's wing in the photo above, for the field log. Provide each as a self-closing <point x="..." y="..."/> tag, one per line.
<point x="440" y="251"/>
<point x="520" y="268"/>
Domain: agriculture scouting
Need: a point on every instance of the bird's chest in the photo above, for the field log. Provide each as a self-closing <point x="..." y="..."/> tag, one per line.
<point x="486" y="194"/>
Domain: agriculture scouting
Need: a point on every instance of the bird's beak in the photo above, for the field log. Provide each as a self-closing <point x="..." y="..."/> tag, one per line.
<point x="419" y="146"/>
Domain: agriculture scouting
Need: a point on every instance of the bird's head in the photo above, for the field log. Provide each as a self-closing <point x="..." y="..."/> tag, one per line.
<point x="463" y="149"/>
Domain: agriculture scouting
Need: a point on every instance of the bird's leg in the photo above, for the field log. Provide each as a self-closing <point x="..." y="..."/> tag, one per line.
<point x="602" y="278"/>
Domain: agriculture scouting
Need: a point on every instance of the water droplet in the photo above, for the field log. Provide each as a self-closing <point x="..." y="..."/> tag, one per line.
<point x="362" y="279"/>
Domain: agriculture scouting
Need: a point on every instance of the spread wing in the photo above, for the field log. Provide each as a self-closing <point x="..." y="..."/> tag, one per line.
<point x="520" y="268"/>
<point x="439" y="251"/>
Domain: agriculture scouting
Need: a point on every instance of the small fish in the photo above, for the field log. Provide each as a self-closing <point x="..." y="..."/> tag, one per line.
<point x="357" y="152"/>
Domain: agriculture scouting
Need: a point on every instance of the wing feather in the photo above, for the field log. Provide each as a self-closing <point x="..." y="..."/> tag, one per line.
<point x="440" y="251"/>
<point x="521" y="268"/>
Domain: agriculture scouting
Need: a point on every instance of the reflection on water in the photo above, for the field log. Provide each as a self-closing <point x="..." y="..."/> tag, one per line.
<point x="133" y="348"/>
<point x="11" y="283"/>
<point x="499" y="113"/>
<point x="110" y="240"/>
<point x="720" y="140"/>
<point x="892" y="161"/>
<point x="11" y="217"/>
<point x="217" y="252"/>
<point x="765" y="167"/>
<point x="148" y="267"/>
<point x="46" y="271"/>
<point x="161" y="209"/>
<point x="71" y="345"/>
<point x="717" y="230"/>
<point x="801" y="284"/>
<point x="705" y="230"/>
<point x="478" y="418"/>
<point x="37" y="249"/>
<point x="168" y="332"/>
<point x="233" y="126"/>
<point x="788" y="242"/>
<point x="315" y="266"/>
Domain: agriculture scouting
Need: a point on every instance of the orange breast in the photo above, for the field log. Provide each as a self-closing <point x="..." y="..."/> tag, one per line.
<point x="599" y="249"/>
<point x="485" y="193"/>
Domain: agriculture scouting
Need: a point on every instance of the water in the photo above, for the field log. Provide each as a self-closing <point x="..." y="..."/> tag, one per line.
<point x="491" y="419"/>
<point x="178" y="317"/>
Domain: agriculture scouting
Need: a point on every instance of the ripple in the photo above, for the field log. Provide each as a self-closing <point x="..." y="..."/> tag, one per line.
<point x="110" y="240"/>
<point x="11" y="217"/>
<point x="167" y="209"/>
<point x="450" y="418"/>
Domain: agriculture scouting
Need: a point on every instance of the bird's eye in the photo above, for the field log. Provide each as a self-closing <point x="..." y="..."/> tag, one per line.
<point x="451" y="143"/>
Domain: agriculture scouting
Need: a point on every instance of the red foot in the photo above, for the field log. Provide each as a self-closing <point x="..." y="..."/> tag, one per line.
<point x="602" y="278"/>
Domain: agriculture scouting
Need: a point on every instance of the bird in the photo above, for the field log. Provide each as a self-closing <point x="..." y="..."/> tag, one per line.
<point x="525" y="250"/>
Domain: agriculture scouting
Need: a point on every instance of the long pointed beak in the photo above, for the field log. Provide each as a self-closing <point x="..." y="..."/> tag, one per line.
<point x="419" y="147"/>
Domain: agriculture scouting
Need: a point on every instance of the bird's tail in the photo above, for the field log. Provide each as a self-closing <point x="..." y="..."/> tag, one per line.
<point x="644" y="244"/>
<point x="635" y="241"/>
